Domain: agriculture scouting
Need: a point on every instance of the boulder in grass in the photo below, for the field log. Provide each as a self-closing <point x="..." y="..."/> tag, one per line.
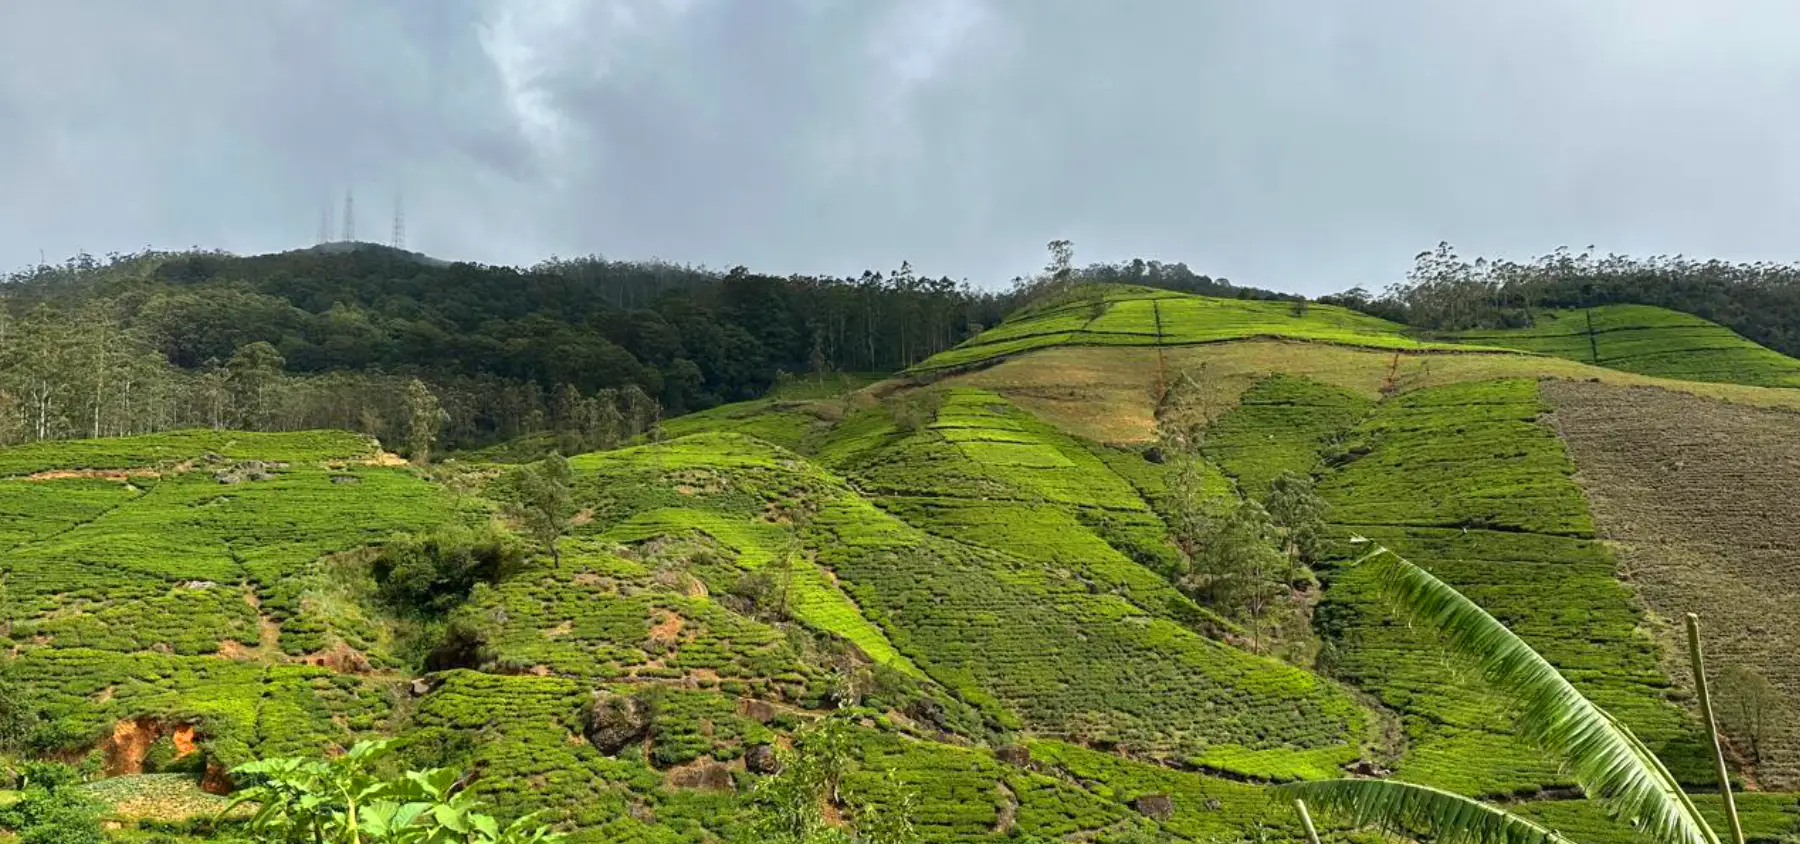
<point x="615" y="722"/>
<point x="1158" y="807"/>
<point x="761" y="759"/>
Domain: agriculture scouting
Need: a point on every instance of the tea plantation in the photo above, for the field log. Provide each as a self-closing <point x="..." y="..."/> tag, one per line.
<point x="971" y="567"/>
<point x="1650" y="340"/>
<point x="1119" y="315"/>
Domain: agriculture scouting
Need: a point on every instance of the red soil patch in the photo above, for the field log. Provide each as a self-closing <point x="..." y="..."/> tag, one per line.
<point x="340" y="658"/>
<point x="131" y="739"/>
<point x="668" y="630"/>
<point x="229" y="649"/>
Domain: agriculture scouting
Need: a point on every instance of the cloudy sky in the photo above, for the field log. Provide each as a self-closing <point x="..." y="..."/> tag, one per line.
<point x="1302" y="145"/>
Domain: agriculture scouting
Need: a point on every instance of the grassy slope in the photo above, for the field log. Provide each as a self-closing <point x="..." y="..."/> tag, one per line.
<point x="1108" y="394"/>
<point x="1647" y="340"/>
<point x="1465" y="481"/>
<point x="1031" y="602"/>
<point x="1118" y="315"/>
<point x="997" y="574"/>
<point x="121" y="592"/>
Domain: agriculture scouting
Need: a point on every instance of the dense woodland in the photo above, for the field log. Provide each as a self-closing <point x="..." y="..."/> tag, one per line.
<point x="1447" y="291"/>
<point x="328" y="337"/>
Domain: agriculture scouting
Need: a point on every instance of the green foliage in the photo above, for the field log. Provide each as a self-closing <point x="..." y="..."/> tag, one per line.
<point x="51" y="808"/>
<point x="1416" y="811"/>
<point x="543" y="503"/>
<point x="1598" y="751"/>
<point x="19" y="716"/>
<point x="496" y="345"/>
<point x="1237" y="568"/>
<point x="1421" y="469"/>
<point x="1297" y="515"/>
<point x="433" y="572"/>
<point x="787" y="808"/>
<point x="1449" y="292"/>
<point x="177" y="561"/>
<point x="342" y="800"/>
<point x="1647" y="340"/>
<point x="1282" y="423"/>
<point x="174" y="447"/>
<point x="1137" y="316"/>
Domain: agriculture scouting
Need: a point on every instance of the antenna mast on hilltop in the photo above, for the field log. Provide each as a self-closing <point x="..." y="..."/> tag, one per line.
<point x="349" y="215"/>
<point x="399" y="241"/>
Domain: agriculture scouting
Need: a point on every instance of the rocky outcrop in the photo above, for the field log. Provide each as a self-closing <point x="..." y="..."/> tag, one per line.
<point x="1158" y="807"/>
<point x="761" y="759"/>
<point x="615" y="722"/>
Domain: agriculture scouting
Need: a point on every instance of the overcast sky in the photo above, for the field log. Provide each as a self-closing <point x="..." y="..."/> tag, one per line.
<point x="1306" y="146"/>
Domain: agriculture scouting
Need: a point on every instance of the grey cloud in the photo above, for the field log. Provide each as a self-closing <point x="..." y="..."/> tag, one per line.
<point x="1305" y="145"/>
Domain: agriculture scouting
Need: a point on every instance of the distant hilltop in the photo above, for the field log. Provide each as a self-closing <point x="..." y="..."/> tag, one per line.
<point x="341" y="246"/>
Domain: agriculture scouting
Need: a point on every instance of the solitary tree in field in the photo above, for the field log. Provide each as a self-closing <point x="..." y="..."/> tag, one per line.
<point x="546" y="504"/>
<point x="1748" y="708"/>
<point x="1598" y="751"/>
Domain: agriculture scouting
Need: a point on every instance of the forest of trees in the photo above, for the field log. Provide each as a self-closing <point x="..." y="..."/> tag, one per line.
<point x="1447" y="291"/>
<point x="318" y="338"/>
<point x="332" y="337"/>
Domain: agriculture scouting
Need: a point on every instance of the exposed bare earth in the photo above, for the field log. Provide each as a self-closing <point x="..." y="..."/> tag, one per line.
<point x="1702" y="500"/>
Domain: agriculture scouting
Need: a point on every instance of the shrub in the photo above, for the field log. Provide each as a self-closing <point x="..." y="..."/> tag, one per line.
<point x="51" y="808"/>
<point x="429" y="574"/>
<point x="341" y="800"/>
<point x="18" y="716"/>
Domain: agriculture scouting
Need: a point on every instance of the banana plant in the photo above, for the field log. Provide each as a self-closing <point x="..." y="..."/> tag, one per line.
<point x="1598" y="751"/>
<point x="340" y="801"/>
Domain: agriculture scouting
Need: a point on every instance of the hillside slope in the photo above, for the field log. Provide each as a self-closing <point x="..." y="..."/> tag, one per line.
<point x="974" y="570"/>
<point x="1647" y="340"/>
<point x="1120" y="315"/>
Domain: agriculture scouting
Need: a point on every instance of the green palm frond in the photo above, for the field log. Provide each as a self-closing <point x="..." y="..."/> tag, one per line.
<point x="1410" y="810"/>
<point x="1598" y="751"/>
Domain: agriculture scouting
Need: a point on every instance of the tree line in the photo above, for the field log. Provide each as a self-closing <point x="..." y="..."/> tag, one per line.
<point x="590" y="349"/>
<point x="316" y="338"/>
<point x="1444" y="290"/>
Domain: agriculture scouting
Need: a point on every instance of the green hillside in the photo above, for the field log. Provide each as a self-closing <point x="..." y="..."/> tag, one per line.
<point x="1648" y="340"/>
<point x="1120" y="315"/>
<point x="988" y="577"/>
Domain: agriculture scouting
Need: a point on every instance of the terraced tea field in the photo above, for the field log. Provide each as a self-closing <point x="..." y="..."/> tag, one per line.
<point x="1137" y="316"/>
<point x="1465" y="481"/>
<point x="968" y="567"/>
<point x="1647" y="340"/>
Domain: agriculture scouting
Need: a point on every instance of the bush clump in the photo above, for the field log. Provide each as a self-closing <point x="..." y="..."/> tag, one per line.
<point x="430" y="573"/>
<point x="51" y="808"/>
